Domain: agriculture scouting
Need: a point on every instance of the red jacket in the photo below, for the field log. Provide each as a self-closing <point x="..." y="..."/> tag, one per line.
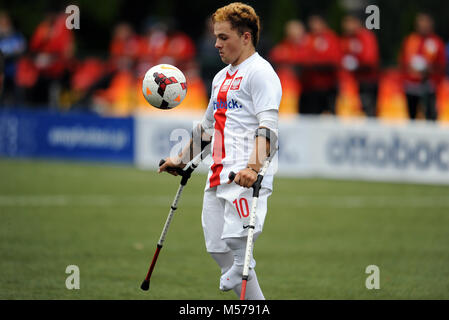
<point x="423" y="57"/>
<point x="177" y="46"/>
<point x="124" y="52"/>
<point x="360" y="55"/>
<point x="56" y="42"/>
<point x="324" y="60"/>
<point x="288" y="52"/>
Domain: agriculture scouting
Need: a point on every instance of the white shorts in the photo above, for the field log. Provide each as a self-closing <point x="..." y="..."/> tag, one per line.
<point x="226" y="211"/>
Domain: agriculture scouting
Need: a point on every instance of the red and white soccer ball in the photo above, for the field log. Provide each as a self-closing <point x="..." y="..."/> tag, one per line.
<point x="164" y="86"/>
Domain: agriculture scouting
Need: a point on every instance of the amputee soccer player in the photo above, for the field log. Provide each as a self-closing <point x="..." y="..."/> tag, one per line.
<point x="242" y="121"/>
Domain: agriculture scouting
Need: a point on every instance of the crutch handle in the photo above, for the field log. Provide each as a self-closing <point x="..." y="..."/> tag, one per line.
<point x="256" y="185"/>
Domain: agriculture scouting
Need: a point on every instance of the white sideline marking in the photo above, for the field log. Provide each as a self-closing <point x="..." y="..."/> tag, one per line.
<point x="80" y="200"/>
<point x="366" y="201"/>
<point x="347" y="201"/>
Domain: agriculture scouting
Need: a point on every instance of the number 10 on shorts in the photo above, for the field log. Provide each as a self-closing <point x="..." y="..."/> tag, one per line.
<point x="242" y="207"/>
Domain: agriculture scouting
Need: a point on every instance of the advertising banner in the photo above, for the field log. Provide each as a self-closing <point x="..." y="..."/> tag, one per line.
<point x="326" y="147"/>
<point x="69" y="136"/>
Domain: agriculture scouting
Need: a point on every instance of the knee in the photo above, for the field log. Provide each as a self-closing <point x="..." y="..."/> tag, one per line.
<point x="236" y="243"/>
<point x="239" y="243"/>
<point x="238" y="248"/>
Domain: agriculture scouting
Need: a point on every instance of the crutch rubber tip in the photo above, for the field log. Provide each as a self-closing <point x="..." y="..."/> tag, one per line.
<point x="145" y="285"/>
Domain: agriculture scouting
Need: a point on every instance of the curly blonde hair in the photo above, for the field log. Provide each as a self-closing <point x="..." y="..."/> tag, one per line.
<point x="242" y="18"/>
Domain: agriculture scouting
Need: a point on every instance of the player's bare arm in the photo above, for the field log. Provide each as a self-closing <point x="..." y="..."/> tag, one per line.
<point x="261" y="151"/>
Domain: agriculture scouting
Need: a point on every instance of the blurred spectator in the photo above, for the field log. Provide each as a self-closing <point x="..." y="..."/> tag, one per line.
<point x="124" y="47"/>
<point x="423" y="62"/>
<point x="210" y="61"/>
<point x="196" y="98"/>
<point x="12" y="45"/>
<point x="105" y="87"/>
<point x="180" y="48"/>
<point x="47" y="70"/>
<point x="88" y="76"/>
<point x="118" y="90"/>
<point x="289" y="56"/>
<point x="319" y="78"/>
<point x="153" y="44"/>
<point x="161" y="43"/>
<point x="293" y="50"/>
<point x="92" y="74"/>
<point x="361" y="58"/>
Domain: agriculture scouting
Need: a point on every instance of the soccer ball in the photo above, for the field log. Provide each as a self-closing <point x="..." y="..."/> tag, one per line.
<point x="164" y="86"/>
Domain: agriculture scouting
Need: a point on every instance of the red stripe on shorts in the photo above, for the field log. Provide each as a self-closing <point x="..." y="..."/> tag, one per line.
<point x="218" y="152"/>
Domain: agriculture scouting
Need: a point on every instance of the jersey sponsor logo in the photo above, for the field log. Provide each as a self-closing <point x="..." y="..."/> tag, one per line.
<point x="232" y="104"/>
<point x="236" y="83"/>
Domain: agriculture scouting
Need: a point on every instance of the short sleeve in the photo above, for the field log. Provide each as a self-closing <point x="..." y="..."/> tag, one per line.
<point x="266" y="90"/>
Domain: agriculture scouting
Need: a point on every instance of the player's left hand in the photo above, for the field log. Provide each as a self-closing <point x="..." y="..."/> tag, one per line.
<point x="245" y="178"/>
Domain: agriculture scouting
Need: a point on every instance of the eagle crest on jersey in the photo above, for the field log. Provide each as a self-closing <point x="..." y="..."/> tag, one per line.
<point x="163" y="82"/>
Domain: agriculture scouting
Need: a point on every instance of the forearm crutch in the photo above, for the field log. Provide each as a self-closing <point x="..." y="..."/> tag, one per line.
<point x="252" y="220"/>
<point x="185" y="174"/>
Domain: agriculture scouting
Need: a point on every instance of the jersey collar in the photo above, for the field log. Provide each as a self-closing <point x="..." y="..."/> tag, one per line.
<point x="233" y="69"/>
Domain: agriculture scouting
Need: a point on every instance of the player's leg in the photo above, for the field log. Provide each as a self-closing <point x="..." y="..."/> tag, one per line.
<point x="213" y="220"/>
<point x="232" y="279"/>
<point x="223" y="259"/>
<point x="213" y="209"/>
<point x="238" y="202"/>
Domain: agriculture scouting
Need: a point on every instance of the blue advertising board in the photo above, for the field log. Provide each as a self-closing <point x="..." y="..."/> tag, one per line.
<point x="26" y="133"/>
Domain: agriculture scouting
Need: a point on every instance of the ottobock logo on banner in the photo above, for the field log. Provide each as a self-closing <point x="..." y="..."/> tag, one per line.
<point x="74" y="136"/>
<point x="370" y="150"/>
<point x="388" y="151"/>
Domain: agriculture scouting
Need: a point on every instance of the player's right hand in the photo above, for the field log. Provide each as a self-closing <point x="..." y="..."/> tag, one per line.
<point x="169" y="164"/>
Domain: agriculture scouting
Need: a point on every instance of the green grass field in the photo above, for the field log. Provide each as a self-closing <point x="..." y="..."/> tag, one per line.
<point x="319" y="236"/>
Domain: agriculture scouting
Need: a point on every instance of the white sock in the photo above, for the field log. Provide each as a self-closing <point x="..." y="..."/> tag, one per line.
<point x="253" y="291"/>
<point x="232" y="278"/>
<point x="225" y="260"/>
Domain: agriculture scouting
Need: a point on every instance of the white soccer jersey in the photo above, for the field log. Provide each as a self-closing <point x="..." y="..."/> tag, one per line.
<point x="239" y="93"/>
